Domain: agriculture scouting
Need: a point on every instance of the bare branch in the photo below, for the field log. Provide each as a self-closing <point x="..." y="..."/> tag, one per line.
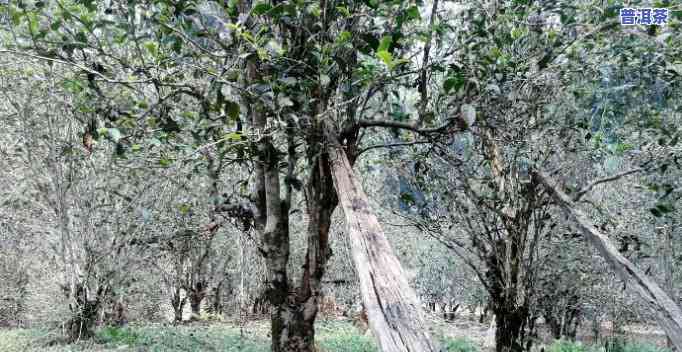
<point x="391" y="145"/>
<point x="410" y="126"/>
<point x="591" y="185"/>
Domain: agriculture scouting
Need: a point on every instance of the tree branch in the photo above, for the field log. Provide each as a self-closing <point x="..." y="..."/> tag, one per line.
<point x="409" y="126"/>
<point x="591" y="185"/>
<point x="391" y="145"/>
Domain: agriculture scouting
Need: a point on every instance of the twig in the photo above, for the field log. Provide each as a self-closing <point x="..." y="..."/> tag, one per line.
<point x="591" y="185"/>
<point x="391" y="145"/>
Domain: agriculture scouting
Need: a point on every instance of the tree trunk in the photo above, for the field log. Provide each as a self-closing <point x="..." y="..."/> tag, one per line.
<point x="510" y="329"/>
<point x="393" y="309"/>
<point x="217" y="304"/>
<point x="668" y="314"/>
<point x="85" y="310"/>
<point x="195" y="299"/>
<point x="294" y="332"/>
<point x="178" y="305"/>
<point x="669" y="266"/>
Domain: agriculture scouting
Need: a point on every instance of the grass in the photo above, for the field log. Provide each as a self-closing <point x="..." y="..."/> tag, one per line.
<point x="331" y="336"/>
<point x="137" y="339"/>
<point x="613" y="345"/>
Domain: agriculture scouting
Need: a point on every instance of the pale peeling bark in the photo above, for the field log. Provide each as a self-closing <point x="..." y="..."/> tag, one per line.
<point x="668" y="314"/>
<point x="393" y="309"/>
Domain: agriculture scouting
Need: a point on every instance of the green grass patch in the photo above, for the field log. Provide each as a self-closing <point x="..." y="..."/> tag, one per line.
<point x="569" y="346"/>
<point x="611" y="345"/>
<point x="117" y="336"/>
<point x="459" y="345"/>
<point x="623" y="345"/>
<point x="340" y="336"/>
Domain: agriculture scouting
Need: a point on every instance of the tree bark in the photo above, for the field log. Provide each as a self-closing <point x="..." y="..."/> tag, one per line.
<point x="668" y="314"/>
<point x="510" y="323"/>
<point x="393" y="308"/>
<point x="196" y="296"/>
<point x="85" y="310"/>
<point x="178" y="305"/>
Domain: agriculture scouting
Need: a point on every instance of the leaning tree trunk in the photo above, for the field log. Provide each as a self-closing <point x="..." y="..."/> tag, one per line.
<point x="393" y="310"/>
<point x="668" y="314"/>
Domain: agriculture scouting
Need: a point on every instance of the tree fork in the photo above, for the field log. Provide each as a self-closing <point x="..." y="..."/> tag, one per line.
<point x="393" y="309"/>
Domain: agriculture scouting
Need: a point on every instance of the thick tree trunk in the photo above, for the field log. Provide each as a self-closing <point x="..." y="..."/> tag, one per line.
<point x="668" y="314"/>
<point x="393" y="309"/>
<point x="510" y="328"/>
<point x="294" y="332"/>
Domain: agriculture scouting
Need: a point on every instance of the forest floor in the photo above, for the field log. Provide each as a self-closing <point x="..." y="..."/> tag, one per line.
<point x="336" y="334"/>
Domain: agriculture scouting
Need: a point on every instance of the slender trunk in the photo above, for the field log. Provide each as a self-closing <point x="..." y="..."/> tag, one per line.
<point x="195" y="299"/>
<point x="669" y="267"/>
<point x="85" y="311"/>
<point x="217" y="306"/>
<point x="178" y="304"/>
<point x="668" y="314"/>
<point x="393" y="309"/>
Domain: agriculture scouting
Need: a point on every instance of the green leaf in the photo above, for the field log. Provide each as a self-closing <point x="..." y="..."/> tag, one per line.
<point x="152" y="47"/>
<point x="453" y="83"/>
<point x="232" y="110"/>
<point x="655" y="212"/>
<point x="665" y="208"/>
<point x="234" y="136"/>
<point x="343" y="11"/>
<point x="261" y="8"/>
<point x="385" y="43"/>
<point x="55" y="25"/>
<point x="165" y="162"/>
<point x="386" y="57"/>
<point x="517" y="33"/>
<point x="184" y="208"/>
<point x="344" y="37"/>
<point x="413" y="13"/>
<point x="73" y="86"/>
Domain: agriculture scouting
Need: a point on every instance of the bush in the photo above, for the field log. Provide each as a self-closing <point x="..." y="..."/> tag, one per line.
<point x="459" y="345"/>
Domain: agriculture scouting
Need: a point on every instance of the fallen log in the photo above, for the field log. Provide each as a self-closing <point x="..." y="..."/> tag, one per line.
<point x="668" y="313"/>
<point x="393" y="309"/>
